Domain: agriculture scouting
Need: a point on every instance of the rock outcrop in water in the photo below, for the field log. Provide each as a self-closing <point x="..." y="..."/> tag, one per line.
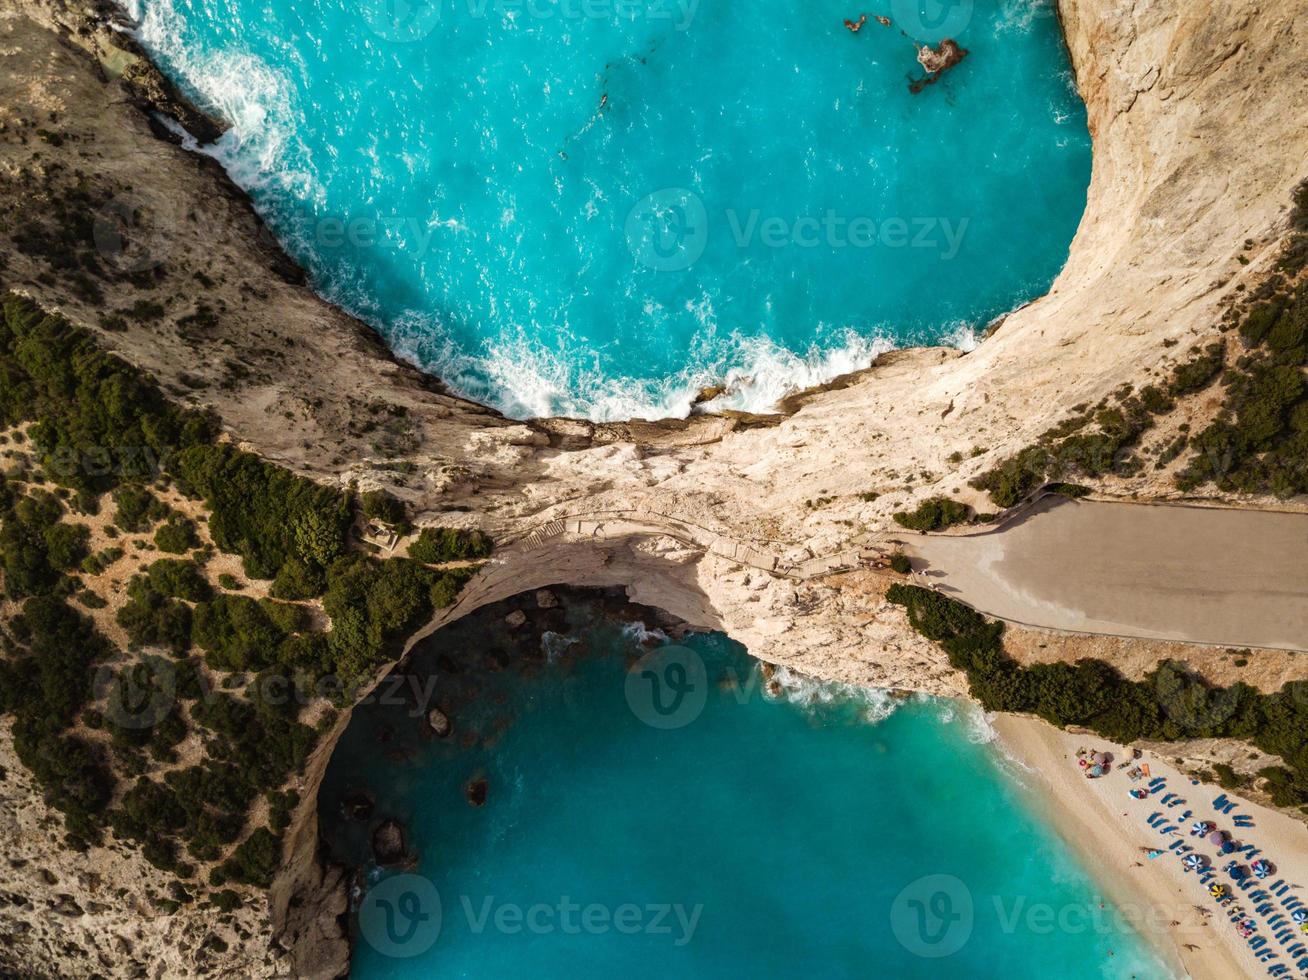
<point x="388" y="843"/>
<point x="936" y="61"/>
<point x="942" y="58"/>
<point x="439" y="723"/>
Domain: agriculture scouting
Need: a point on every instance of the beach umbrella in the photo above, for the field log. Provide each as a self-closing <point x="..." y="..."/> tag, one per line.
<point x="1300" y="915"/>
<point x="1096" y="770"/>
<point x="1101" y="758"/>
<point x="1216" y="837"/>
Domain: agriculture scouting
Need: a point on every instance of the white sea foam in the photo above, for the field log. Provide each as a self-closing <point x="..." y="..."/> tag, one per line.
<point x="521" y="378"/>
<point x="876" y="704"/>
<point x="237" y="87"/>
<point x="553" y="645"/>
<point x="639" y="634"/>
<point x="1016" y="16"/>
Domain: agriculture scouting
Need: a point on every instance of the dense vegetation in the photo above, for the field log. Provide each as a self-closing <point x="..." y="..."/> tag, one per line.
<point x="1097" y="441"/>
<point x="267" y="515"/>
<point x="102" y="431"/>
<point x="440" y="544"/>
<point x="1258" y="443"/>
<point x="1170" y="704"/>
<point x="98" y="421"/>
<point x="934" y="514"/>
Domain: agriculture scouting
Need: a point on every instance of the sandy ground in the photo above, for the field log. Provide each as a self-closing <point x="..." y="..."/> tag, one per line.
<point x="1198" y="574"/>
<point x="1101" y="821"/>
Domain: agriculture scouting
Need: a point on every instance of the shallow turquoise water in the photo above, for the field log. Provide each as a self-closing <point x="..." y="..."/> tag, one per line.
<point x="820" y="833"/>
<point x="595" y="207"/>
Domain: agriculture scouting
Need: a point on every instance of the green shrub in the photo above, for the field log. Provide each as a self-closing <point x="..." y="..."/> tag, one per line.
<point x="934" y="514"/>
<point x="1016" y="478"/>
<point x="152" y="619"/>
<point x="286" y="616"/>
<point x="26" y="532"/>
<point x="1195" y="374"/>
<point x="1227" y="778"/>
<point x="137" y="509"/>
<point x="177" y="536"/>
<point x="98" y="419"/>
<point x="1072" y="491"/>
<point x="255" y="860"/>
<point x="899" y="563"/>
<point x="297" y="579"/>
<point x="236" y="633"/>
<point x="179" y="579"/>
<point x="44" y="688"/>
<point x="98" y="562"/>
<point x="225" y="900"/>
<point x="441" y="544"/>
<point x="378" y="505"/>
<point x="66" y="545"/>
<point x="89" y="599"/>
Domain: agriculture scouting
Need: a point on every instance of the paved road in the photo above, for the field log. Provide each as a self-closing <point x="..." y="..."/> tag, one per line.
<point x="1230" y="577"/>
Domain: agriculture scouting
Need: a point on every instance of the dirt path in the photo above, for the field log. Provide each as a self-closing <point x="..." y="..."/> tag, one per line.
<point x="1204" y="575"/>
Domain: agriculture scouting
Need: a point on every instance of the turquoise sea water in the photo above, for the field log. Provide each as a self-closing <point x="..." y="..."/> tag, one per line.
<point x="596" y="207"/>
<point x="726" y="833"/>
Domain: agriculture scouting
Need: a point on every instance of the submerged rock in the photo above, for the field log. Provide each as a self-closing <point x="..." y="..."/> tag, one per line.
<point x="388" y="842"/>
<point x="476" y="791"/>
<point x="545" y="599"/>
<point x="516" y="619"/>
<point x="357" y="805"/>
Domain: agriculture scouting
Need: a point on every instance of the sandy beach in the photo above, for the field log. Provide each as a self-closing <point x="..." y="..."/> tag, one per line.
<point x="1108" y="828"/>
